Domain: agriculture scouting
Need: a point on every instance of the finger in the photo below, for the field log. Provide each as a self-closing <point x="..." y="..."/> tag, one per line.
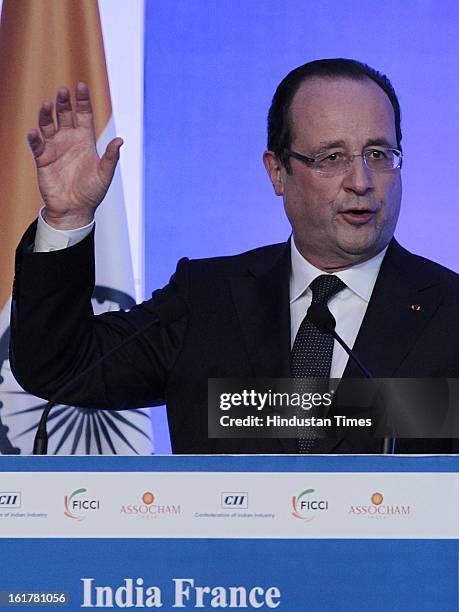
<point x="36" y="143"/>
<point x="110" y="158"/>
<point x="64" y="113"/>
<point x="45" y="120"/>
<point x="83" y="107"/>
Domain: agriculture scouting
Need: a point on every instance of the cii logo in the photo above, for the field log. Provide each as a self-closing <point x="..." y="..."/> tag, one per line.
<point x="9" y="499"/>
<point x="305" y="505"/>
<point x="235" y="500"/>
<point x="76" y="505"/>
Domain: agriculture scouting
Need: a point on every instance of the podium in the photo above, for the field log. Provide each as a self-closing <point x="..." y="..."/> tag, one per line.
<point x="312" y="533"/>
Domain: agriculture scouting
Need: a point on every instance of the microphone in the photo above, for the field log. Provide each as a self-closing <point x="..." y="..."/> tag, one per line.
<point x="163" y="315"/>
<point x="320" y="316"/>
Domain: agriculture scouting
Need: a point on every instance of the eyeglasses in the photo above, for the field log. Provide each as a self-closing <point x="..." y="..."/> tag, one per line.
<point x="332" y="163"/>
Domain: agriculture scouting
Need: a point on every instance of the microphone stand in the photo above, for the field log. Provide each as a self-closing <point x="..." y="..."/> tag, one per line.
<point x="320" y="316"/>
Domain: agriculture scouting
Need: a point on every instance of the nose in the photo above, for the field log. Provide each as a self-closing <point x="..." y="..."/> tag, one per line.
<point x="358" y="178"/>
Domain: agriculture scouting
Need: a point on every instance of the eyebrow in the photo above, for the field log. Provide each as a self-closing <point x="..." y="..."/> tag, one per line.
<point x="331" y="144"/>
<point x="383" y="142"/>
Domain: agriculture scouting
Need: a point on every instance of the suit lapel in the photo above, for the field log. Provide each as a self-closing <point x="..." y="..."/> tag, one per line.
<point x="262" y="302"/>
<point x="404" y="299"/>
<point x="402" y="303"/>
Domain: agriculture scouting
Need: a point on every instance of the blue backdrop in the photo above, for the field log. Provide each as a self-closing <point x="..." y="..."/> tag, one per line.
<point x="211" y="69"/>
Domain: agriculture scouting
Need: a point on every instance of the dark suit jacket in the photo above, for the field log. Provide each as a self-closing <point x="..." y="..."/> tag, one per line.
<point x="237" y="325"/>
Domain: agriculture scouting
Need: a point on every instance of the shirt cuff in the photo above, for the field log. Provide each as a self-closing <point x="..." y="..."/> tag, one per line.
<point x="49" y="239"/>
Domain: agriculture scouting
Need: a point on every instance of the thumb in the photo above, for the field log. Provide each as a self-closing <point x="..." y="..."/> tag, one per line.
<point x="110" y="158"/>
<point x="36" y="143"/>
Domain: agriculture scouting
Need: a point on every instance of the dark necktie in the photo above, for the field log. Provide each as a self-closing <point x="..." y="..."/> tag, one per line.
<point x="312" y="351"/>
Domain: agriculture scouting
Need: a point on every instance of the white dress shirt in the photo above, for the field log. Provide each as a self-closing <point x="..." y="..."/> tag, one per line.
<point x="348" y="306"/>
<point x="49" y="239"/>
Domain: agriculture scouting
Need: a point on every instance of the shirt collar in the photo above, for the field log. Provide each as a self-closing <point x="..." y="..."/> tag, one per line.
<point x="360" y="278"/>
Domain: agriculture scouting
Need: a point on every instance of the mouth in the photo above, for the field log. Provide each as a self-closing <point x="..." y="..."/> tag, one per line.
<point x="358" y="216"/>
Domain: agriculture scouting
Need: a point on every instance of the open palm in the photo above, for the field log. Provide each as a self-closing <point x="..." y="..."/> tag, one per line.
<point x="72" y="179"/>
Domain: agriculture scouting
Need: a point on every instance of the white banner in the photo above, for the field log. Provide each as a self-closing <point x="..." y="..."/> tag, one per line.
<point x="229" y="505"/>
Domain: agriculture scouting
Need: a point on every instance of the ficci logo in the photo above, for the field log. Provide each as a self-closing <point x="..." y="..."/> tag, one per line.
<point x="76" y="507"/>
<point x="304" y="504"/>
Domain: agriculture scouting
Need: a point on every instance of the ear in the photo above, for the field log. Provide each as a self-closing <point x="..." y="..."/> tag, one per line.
<point x="274" y="169"/>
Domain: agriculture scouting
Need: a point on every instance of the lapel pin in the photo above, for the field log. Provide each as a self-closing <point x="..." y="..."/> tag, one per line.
<point x="415" y="307"/>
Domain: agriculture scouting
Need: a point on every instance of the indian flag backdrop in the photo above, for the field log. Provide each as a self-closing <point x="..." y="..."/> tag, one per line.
<point x="45" y="44"/>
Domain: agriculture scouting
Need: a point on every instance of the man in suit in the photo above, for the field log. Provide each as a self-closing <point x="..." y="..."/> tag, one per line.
<point x="334" y="155"/>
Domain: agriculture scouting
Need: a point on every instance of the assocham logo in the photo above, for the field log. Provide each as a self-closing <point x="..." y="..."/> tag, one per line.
<point x="379" y="510"/>
<point x="149" y="509"/>
<point x="305" y="505"/>
<point x="76" y="505"/>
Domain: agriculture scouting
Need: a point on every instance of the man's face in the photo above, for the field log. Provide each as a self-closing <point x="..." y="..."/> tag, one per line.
<point x="349" y="116"/>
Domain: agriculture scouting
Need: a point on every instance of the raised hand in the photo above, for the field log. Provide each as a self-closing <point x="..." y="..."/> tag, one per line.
<point x="72" y="179"/>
